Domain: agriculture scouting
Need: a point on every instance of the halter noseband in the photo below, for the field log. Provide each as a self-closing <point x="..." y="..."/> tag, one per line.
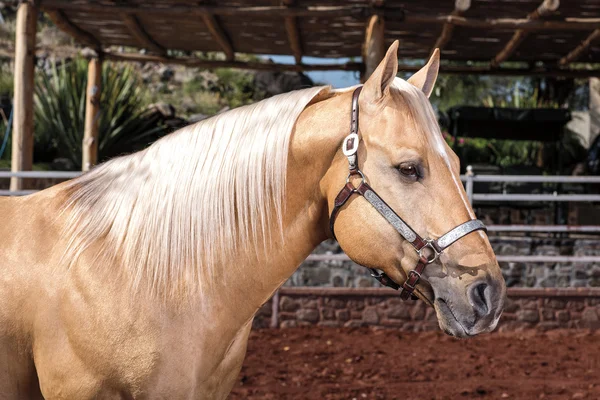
<point x="436" y="246"/>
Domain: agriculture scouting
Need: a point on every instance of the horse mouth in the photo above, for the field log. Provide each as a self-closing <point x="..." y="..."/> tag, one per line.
<point x="448" y="321"/>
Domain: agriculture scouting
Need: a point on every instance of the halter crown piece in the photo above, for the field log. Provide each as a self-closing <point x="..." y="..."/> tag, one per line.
<point x="436" y="246"/>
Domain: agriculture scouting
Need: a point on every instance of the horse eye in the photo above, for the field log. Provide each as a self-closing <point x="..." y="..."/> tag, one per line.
<point x="408" y="170"/>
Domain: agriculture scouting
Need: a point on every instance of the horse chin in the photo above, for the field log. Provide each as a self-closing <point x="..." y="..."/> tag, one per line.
<point x="448" y="322"/>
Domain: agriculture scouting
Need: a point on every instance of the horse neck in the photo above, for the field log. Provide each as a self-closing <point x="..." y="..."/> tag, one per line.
<point x="316" y="138"/>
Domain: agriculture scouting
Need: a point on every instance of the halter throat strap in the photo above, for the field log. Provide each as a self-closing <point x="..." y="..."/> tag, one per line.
<point x="420" y="244"/>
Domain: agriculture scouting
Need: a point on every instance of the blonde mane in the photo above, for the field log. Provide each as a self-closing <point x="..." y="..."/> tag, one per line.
<point x="170" y="214"/>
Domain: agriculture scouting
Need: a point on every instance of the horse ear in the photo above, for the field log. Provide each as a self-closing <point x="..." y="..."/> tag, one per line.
<point x="379" y="82"/>
<point x="425" y="78"/>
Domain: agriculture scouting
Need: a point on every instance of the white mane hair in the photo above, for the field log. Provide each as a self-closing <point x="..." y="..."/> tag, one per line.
<point x="171" y="213"/>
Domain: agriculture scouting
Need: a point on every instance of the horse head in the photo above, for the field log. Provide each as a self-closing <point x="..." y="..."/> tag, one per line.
<point x="415" y="175"/>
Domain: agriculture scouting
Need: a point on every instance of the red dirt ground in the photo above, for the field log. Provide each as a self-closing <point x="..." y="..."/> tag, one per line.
<point x="333" y="363"/>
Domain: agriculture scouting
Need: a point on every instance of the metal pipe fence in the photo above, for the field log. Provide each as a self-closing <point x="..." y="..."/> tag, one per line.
<point x="41" y="174"/>
<point x="470" y="178"/>
<point x="500" y="258"/>
<point x="545" y="228"/>
<point x="16" y="192"/>
<point x="534" y="197"/>
<point x="532" y="178"/>
<point x="34" y="175"/>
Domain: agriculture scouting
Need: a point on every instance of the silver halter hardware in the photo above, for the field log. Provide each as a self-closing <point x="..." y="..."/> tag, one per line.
<point x="437" y="246"/>
<point x="429" y="245"/>
<point x="350" y="148"/>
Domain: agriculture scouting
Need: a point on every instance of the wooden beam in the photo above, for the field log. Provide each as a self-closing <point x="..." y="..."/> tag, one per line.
<point x="143" y="38"/>
<point x="218" y="33"/>
<point x="577" y="51"/>
<point x="571" y="24"/>
<point x="567" y="24"/>
<point x="213" y="64"/>
<point x="89" y="147"/>
<point x="63" y="23"/>
<point x="264" y="66"/>
<point x="374" y="47"/>
<point x="248" y="11"/>
<point x="460" y="6"/>
<point x="546" y="8"/>
<point x="487" y="70"/>
<point x="22" y="140"/>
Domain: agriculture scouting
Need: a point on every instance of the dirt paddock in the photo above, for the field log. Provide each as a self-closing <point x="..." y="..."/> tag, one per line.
<point x="334" y="363"/>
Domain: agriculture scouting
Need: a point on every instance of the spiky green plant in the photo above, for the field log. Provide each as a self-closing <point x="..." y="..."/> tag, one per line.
<point x="4" y="150"/>
<point x="6" y="80"/>
<point x="125" y="125"/>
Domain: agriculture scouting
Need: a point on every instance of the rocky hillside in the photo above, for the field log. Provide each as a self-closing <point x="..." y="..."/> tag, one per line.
<point x="184" y="94"/>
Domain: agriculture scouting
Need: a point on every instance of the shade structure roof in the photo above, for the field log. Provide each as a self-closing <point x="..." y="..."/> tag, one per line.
<point x="475" y="35"/>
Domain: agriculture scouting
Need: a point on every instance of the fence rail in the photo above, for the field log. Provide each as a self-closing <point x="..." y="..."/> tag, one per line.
<point x="500" y="258"/>
<point x="534" y="197"/>
<point x="16" y="192"/>
<point x="545" y="228"/>
<point x="470" y="178"/>
<point x="532" y="178"/>
<point x="34" y="175"/>
<point x="40" y="174"/>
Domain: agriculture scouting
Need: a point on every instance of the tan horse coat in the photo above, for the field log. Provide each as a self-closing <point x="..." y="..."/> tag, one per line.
<point x="77" y="332"/>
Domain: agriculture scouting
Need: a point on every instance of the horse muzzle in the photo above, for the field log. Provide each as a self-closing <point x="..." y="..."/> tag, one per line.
<point x="477" y="310"/>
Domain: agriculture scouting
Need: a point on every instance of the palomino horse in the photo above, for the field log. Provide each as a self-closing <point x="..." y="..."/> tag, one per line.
<point x="140" y="279"/>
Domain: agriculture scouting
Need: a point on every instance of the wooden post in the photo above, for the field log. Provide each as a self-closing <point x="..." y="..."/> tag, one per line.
<point x="22" y="141"/>
<point x="92" y="115"/>
<point x="374" y="47"/>
<point x="275" y="310"/>
<point x="293" y="34"/>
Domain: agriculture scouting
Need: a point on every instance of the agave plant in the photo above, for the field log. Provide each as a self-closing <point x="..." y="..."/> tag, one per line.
<point x="125" y="125"/>
<point x="4" y="141"/>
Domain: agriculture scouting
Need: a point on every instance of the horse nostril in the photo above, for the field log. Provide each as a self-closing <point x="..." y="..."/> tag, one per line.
<point x="479" y="298"/>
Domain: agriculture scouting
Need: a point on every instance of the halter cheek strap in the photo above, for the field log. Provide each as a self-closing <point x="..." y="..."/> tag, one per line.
<point x="436" y="246"/>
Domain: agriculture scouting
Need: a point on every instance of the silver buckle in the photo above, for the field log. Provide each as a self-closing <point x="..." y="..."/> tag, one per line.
<point x="436" y="254"/>
<point x="350" y="145"/>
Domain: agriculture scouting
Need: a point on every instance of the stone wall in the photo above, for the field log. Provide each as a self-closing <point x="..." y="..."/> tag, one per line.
<point x="543" y="309"/>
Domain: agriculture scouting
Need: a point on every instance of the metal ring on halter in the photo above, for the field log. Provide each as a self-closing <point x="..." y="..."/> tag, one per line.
<point x="356" y="172"/>
<point x="436" y="254"/>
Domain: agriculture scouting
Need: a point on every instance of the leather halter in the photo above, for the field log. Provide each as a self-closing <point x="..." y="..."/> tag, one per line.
<point x="436" y="246"/>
